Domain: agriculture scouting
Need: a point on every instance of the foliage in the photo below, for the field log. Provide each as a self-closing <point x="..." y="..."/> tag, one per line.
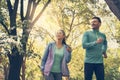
<point x="73" y="16"/>
<point x="112" y="67"/>
<point x="60" y="15"/>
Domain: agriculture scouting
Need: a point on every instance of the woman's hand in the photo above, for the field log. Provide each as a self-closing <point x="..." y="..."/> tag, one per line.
<point x="69" y="49"/>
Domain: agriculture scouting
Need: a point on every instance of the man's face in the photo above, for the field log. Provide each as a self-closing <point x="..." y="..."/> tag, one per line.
<point x="95" y="24"/>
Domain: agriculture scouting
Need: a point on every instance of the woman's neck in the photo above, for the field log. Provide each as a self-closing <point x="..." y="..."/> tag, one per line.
<point x="58" y="42"/>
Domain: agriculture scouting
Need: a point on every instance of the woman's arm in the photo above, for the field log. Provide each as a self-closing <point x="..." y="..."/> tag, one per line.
<point x="45" y="57"/>
<point x="68" y="54"/>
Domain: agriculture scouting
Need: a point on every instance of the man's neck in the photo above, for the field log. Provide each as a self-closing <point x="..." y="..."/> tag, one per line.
<point x="96" y="29"/>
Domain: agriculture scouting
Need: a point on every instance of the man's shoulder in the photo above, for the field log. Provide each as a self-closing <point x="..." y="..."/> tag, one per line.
<point x="102" y="33"/>
<point x="88" y="31"/>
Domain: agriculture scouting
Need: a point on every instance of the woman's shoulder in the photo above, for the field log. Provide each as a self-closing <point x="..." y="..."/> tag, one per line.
<point x="68" y="47"/>
<point x="51" y="44"/>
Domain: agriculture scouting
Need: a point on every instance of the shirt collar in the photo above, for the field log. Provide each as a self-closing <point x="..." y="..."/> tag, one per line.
<point x="94" y="30"/>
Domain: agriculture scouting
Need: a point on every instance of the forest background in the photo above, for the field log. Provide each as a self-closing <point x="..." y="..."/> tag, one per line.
<point x="27" y="26"/>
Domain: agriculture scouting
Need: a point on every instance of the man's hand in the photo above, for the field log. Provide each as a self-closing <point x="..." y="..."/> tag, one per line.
<point x="104" y="55"/>
<point x="99" y="40"/>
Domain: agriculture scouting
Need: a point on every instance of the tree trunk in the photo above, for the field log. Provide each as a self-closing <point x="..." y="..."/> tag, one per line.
<point x="16" y="59"/>
<point x="23" y="70"/>
<point x="15" y="66"/>
<point x="6" y="70"/>
<point x="114" y="6"/>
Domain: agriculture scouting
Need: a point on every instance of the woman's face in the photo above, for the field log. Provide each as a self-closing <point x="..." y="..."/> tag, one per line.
<point x="60" y="35"/>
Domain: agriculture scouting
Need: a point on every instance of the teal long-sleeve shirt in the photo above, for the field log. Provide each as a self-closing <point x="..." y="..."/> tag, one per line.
<point x="94" y="51"/>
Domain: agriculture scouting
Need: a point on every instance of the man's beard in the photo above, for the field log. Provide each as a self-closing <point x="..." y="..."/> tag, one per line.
<point x="94" y="27"/>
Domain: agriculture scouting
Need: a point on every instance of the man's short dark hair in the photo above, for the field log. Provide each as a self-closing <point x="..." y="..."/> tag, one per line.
<point x="97" y="18"/>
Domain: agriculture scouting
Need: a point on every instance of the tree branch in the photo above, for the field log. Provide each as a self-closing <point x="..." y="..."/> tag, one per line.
<point x="39" y="15"/>
<point x="5" y="27"/>
<point x="73" y="17"/>
<point x="28" y="30"/>
<point x="15" y="7"/>
<point x="38" y="1"/>
<point x="33" y="10"/>
<point x="28" y="9"/>
<point x="9" y="7"/>
<point x="22" y="10"/>
<point x="114" y="6"/>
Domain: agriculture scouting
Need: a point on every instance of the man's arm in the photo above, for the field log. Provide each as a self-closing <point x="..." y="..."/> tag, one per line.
<point x="85" y="43"/>
<point x="104" y="47"/>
